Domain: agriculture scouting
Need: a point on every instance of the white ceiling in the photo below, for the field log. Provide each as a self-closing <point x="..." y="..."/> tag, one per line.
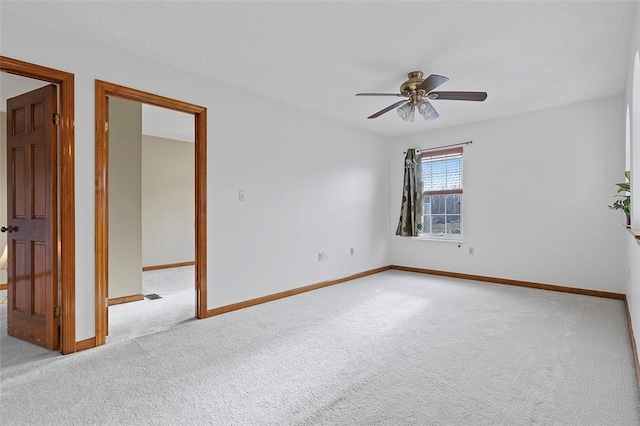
<point x="167" y="123"/>
<point x="317" y="55"/>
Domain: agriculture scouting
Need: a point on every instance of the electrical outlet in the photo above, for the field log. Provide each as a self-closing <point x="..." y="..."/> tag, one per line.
<point x="352" y="251"/>
<point x="471" y="251"/>
<point x="324" y="256"/>
<point x="319" y="256"/>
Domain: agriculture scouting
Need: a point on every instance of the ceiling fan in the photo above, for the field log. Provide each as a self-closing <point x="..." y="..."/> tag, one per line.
<point x="418" y="90"/>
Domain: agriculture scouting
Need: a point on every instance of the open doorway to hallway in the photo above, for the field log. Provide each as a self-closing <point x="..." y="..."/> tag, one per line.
<point x="56" y="315"/>
<point x="151" y="218"/>
<point x="103" y="224"/>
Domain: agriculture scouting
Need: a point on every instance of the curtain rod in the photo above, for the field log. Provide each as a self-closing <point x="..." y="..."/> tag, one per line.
<point x="443" y="146"/>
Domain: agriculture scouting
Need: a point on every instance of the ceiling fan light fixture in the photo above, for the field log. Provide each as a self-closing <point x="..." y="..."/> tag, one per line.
<point x="426" y="110"/>
<point x="406" y="112"/>
<point x="419" y="92"/>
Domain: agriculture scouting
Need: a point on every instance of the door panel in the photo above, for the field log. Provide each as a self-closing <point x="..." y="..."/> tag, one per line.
<point x="19" y="195"/>
<point x="19" y="263"/>
<point x="40" y="181"/>
<point x="39" y="274"/>
<point x="32" y="287"/>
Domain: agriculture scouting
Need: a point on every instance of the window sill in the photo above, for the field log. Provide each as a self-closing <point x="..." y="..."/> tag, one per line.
<point x="635" y="232"/>
<point x="444" y="239"/>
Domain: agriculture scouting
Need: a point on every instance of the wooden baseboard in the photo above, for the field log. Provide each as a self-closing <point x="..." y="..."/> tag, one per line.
<point x="91" y="342"/>
<point x="518" y="283"/>
<point x="126" y="299"/>
<point x="634" y="347"/>
<point x="3" y="286"/>
<point x="167" y="266"/>
<point x="83" y="345"/>
<point x="292" y="292"/>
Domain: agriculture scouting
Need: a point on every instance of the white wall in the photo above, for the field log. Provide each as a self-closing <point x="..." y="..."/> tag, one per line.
<point x="125" y="198"/>
<point x="632" y="249"/>
<point x="536" y="190"/>
<point x="312" y="184"/>
<point x="168" y="201"/>
<point x="316" y="185"/>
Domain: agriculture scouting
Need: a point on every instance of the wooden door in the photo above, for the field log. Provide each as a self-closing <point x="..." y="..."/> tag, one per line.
<point x="32" y="287"/>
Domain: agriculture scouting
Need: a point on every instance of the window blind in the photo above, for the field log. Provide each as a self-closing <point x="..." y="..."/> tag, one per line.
<point x="442" y="171"/>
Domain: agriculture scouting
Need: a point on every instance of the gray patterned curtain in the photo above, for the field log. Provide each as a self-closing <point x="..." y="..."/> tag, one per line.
<point x="410" y="224"/>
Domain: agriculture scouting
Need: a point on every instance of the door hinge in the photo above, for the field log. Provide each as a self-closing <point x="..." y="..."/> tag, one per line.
<point x="106" y="126"/>
<point x="56" y="312"/>
<point x="56" y="118"/>
<point x="106" y="302"/>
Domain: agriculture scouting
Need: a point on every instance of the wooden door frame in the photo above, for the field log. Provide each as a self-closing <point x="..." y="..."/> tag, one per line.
<point x="66" y="201"/>
<point x="103" y="91"/>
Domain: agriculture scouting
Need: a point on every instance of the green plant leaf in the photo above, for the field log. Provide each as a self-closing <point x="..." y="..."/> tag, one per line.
<point x="624" y="190"/>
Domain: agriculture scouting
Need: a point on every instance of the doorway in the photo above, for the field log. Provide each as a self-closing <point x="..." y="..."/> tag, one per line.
<point x="151" y="208"/>
<point x="104" y="91"/>
<point x="66" y="199"/>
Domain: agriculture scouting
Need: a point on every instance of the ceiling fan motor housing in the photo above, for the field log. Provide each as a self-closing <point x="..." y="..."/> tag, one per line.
<point x="409" y="87"/>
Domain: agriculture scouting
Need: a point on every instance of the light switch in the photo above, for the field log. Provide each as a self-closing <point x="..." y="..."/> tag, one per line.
<point x="241" y="195"/>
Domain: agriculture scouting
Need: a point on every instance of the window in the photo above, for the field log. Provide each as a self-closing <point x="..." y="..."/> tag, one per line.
<point x="635" y="143"/>
<point x="442" y="184"/>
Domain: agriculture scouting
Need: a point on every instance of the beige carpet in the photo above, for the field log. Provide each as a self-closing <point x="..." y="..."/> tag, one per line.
<point x="175" y="286"/>
<point x="394" y="348"/>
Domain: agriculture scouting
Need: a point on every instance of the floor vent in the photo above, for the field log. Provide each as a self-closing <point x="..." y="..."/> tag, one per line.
<point x="152" y="296"/>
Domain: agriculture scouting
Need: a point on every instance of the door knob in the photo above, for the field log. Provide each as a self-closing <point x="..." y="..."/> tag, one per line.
<point x="8" y="229"/>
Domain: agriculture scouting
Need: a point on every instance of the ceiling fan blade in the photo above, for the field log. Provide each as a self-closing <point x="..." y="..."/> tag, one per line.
<point x="387" y="109"/>
<point x="459" y="96"/>
<point x="379" y="94"/>
<point x="432" y="82"/>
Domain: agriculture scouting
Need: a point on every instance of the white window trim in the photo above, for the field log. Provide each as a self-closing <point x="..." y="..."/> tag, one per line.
<point x="635" y="142"/>
<point x="444" y="238"/>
